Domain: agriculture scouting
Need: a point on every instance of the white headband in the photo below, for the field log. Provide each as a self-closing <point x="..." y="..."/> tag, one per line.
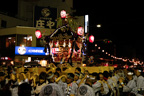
<point x="130" y="73"/>
<point x="139" y="71"/>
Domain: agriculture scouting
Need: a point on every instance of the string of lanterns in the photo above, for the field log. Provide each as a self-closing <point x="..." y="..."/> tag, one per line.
<point x="119" y="58"/>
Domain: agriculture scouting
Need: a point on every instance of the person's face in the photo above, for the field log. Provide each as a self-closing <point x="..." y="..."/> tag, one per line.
<point x="101" y="77"/>
<point x="21" y="77"/>
<point x="63" y="79"/>
<point x="93" y="80"/>
<point x="1" y="78"/>
<point x="89" y="82"/>
<point x="129" y="77"/>
<point x="137" y="72"/>
<point x="41" y="80"/>
<point x="12" y="77"/>
<point x="52" y="79"/>
<point x="69" y="80"/>
<point x="55" y="76"/>
<point x="76" y="78"/>
<point x="86" y="73"/>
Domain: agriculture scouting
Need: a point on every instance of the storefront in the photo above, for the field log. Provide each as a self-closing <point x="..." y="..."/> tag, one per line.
<point x="28" y="54"/>
<point x="11" y="38"/>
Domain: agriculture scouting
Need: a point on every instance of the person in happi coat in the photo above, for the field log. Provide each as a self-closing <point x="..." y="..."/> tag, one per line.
<point x="86" y="89"/>
<point x="51" y="89"/>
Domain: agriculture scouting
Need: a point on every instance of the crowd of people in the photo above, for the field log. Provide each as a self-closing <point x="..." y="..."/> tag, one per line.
<point x="117" y="82"/>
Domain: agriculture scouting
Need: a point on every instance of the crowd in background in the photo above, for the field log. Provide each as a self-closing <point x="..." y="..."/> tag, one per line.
<point x="117" y="82"/>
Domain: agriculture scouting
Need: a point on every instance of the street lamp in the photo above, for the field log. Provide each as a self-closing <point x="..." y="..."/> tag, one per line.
<point x="98" y="25"/>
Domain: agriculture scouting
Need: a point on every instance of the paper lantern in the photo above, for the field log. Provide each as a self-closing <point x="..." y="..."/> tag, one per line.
<point x="38" y="34"/>
<point x="91" y="39"/>
<point x="80" y="31"/>
<point x="63" y="14"/>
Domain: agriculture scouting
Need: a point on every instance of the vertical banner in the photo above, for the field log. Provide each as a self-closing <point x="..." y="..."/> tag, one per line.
<point x="45" y="17"/>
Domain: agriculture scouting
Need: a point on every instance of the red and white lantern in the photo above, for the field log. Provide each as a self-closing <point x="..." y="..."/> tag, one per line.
<point x="38" y="34"/>
<point x="91" y="39"/>
<point x="63" y="14"/>
<point x="80" y="31"/>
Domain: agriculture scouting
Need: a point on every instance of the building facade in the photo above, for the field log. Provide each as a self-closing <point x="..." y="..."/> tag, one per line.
<point x="26" y="7"/>
<point x="16" y="33"/>
<point x="12" y="38"/>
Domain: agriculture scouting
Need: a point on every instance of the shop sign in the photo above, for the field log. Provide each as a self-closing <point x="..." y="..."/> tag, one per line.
<point x="45" y="17"/>
<point x="19" y="50"/>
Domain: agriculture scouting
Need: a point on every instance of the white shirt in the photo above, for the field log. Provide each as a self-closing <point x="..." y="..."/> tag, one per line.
<point x="130" y="86"/>
<point x="72" y="89"/>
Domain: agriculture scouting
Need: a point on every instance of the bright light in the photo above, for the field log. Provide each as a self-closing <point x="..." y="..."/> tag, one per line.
<point x="38" y="34"/>
<point x="12" y="62"/>
<point x="6" y="58"/>
<point x="95" y="45"/>
<point x="22" y="45"/>
<point x="43" y="62"/>
<point x="98" y="25"/>
<point x="9" y="37"/>
<point x="29" y="59"/>
<point x="63" y="14"/>
<point x="29" y="38"/>
<point x="84" y="65"/>
<point x="91" y="39"/>
<point x="86" y="23"/>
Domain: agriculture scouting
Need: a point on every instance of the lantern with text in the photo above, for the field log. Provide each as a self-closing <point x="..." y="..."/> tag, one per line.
<point x="38" y="34"/>
<point x="91" y="39"/>
<point x="80" y="31"/>
<point x="63" y="14"/>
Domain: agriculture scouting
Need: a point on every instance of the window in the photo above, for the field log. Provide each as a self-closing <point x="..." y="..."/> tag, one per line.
<point x="3" y="23"/>
<point x="7" y="45"/>
<point x="25" y="40"/>
<point x="10" y="42"/>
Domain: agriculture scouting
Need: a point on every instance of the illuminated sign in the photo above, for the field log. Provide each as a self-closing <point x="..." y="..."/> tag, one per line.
<point x="29" y="50"/>
<point x="86" y="23"/>
<point x="45" y="17"/>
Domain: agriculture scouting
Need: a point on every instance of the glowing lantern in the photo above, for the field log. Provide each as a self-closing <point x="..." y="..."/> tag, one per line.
<point x="80" y="31"/>
<point x="91" y="39"/>
<point x="63" y="14"/>
<point x="38" y="34"/>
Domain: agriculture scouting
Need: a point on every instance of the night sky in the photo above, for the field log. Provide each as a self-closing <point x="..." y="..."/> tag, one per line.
<point x="122" y="22"/>
<point x="9" y="7"/>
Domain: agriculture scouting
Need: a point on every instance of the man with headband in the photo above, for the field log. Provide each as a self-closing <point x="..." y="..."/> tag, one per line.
<point x="76" y="78"/>
<point x="139" y="81"/>
<point x="128" y="88"/>
<point x="86" y="89"/>
<point x="70" y="88"/>
<point x="51" y="89"/>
